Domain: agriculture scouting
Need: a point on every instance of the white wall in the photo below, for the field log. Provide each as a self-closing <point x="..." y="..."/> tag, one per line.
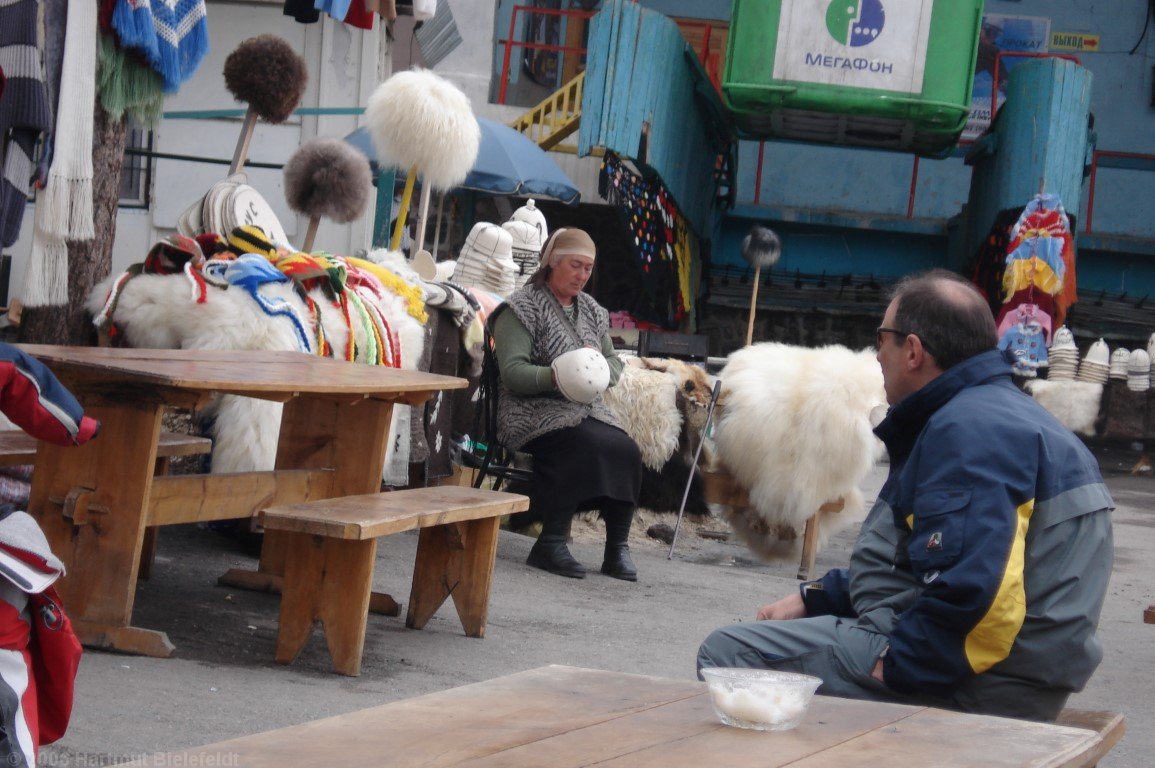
<point x="343" y="64"/>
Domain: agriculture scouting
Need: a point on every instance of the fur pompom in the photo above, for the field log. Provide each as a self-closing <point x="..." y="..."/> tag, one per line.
<point x="328" y="178"/>
<point x="761" y="248"/>
<point x="268" y="75"/>
<point x="794" y="431"/>
<point x="419" y="118"/>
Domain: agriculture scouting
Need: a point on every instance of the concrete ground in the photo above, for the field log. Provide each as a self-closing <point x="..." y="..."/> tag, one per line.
<point x="223" y="683"/>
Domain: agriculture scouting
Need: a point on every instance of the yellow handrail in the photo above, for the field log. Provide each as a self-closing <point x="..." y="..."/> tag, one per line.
<point x="555" y="118"/>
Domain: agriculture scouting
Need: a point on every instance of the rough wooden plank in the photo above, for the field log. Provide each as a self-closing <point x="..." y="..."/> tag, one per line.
<point x="1110" y="726"/>
<point x="380" y="514"/>
<point x="263" y="371"/>
<point x="230" y="496"/>
<point x="561" y="716"/>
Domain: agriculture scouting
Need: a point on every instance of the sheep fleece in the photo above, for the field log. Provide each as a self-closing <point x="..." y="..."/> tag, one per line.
<point x="794" y="431"/>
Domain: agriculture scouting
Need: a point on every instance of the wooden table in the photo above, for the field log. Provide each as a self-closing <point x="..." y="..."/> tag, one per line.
<point x="564" y="716"/>
<point x="95" y="502"/>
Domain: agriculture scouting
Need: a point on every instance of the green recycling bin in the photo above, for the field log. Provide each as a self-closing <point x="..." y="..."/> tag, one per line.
<point x="895" y="74"/>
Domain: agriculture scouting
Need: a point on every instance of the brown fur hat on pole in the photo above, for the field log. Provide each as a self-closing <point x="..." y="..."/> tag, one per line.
<point x="268" y="75"/>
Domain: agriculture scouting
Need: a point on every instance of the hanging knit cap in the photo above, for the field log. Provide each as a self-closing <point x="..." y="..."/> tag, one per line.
<point x="568" y="242"/>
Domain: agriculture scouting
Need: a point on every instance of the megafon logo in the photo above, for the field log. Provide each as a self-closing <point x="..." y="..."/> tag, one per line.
<point x="855" y="22"/>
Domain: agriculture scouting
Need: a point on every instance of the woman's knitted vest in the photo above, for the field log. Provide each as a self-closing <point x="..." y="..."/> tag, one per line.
<point x="521" y="418"/>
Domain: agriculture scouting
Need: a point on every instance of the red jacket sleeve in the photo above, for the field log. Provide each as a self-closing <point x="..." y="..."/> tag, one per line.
<point x="35" y="400"/>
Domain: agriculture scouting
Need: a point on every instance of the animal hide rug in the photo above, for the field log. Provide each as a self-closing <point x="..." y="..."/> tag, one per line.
<point x="794" y="432"/>
<point x="160" y="311"/>
<point x="1074" y="403"/>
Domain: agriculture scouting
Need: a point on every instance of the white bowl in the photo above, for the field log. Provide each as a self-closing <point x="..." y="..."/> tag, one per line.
<point x="759" y="699"/>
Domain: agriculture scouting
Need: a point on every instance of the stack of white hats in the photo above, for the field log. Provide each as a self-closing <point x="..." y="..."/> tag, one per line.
<point x="528" y="228"/>
<point x="486" y="260"/>
<point x="1096" y="363"/>
<point x="229" y="204"/>
<point x="1120" y="358"/>
<point x="1063" y="357"/>
<point x="1139" y="371"/>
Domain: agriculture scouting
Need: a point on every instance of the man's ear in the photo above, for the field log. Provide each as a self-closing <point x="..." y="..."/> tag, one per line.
<point x="918" y="359"/>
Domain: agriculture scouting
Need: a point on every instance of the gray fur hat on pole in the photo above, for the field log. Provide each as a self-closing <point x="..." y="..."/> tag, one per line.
<point x="327" y="177"/>
<point x="761" y="248"/>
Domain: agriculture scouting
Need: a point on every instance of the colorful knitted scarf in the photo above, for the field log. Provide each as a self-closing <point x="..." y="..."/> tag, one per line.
<point x="173" y="35"/>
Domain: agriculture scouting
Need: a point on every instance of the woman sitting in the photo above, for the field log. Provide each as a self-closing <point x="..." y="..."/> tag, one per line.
<point x="547" y="348"/>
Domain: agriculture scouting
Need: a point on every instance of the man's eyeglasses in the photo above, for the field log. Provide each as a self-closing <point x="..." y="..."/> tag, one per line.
<point x="897" y="332"/>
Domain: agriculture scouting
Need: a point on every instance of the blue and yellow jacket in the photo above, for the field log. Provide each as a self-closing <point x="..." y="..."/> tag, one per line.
<point x="989" y="549"/>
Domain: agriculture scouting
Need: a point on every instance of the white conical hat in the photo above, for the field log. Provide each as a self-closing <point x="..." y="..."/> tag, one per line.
<point x="529" y="214"/>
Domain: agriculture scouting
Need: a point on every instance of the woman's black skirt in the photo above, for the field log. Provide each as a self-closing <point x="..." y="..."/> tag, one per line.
<point x="584" y="465"/>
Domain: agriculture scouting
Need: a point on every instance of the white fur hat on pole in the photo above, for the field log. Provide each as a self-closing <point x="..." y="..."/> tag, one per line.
<point x="417" y="118"/>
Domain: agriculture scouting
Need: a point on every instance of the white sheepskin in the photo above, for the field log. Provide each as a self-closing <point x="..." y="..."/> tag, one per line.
<point x="1074" y="403"/>
<point x="644" y="401"/>
<point x="793" y="429"/>
<point x="419" y="118"/>
<point x="158" y="311"/>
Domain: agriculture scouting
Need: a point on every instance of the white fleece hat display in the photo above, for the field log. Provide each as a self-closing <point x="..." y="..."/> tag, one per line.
<point x="486" y="260"/>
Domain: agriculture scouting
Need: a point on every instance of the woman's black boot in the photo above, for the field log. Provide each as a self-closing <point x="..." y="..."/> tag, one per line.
<point x="617" y="562"/>
<point x="550" y="553"/>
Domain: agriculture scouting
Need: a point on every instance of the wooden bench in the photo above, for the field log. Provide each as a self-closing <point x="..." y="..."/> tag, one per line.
<point x="1109" y="725"/>
<point x="333" y="544"/>
<point x="718" y="487"/>
<point x="18" y="447"/>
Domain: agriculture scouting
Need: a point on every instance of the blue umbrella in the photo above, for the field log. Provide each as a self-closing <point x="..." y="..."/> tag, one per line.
<point x="508" y="163"/>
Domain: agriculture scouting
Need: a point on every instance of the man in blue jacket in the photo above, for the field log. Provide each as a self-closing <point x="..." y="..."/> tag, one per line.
<point x="977" y="579"/>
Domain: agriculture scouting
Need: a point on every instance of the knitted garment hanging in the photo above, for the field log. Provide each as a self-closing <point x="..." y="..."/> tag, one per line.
<point x="1042" y="235"/>
<point x="173" y="35"/>
<point x="24" y="110"/>
<point x="646" y="210"/>
<point x="64" y="207"/>
<point x="126" y="84"/>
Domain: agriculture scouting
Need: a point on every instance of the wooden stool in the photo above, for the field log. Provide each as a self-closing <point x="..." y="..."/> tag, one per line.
<point x="333" y="545"/>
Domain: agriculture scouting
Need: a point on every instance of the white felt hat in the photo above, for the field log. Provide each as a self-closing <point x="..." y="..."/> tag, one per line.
<point x="486" y="260"/>
<point x="529" y="214"/>
<point x="582" y="374"/>
<point x="527" y="242"/>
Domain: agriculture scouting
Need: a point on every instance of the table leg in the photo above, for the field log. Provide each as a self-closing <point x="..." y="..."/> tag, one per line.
<point x="455" y="559"/>
<point x="91" y="502"/>
<point x="318" y="432"/>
